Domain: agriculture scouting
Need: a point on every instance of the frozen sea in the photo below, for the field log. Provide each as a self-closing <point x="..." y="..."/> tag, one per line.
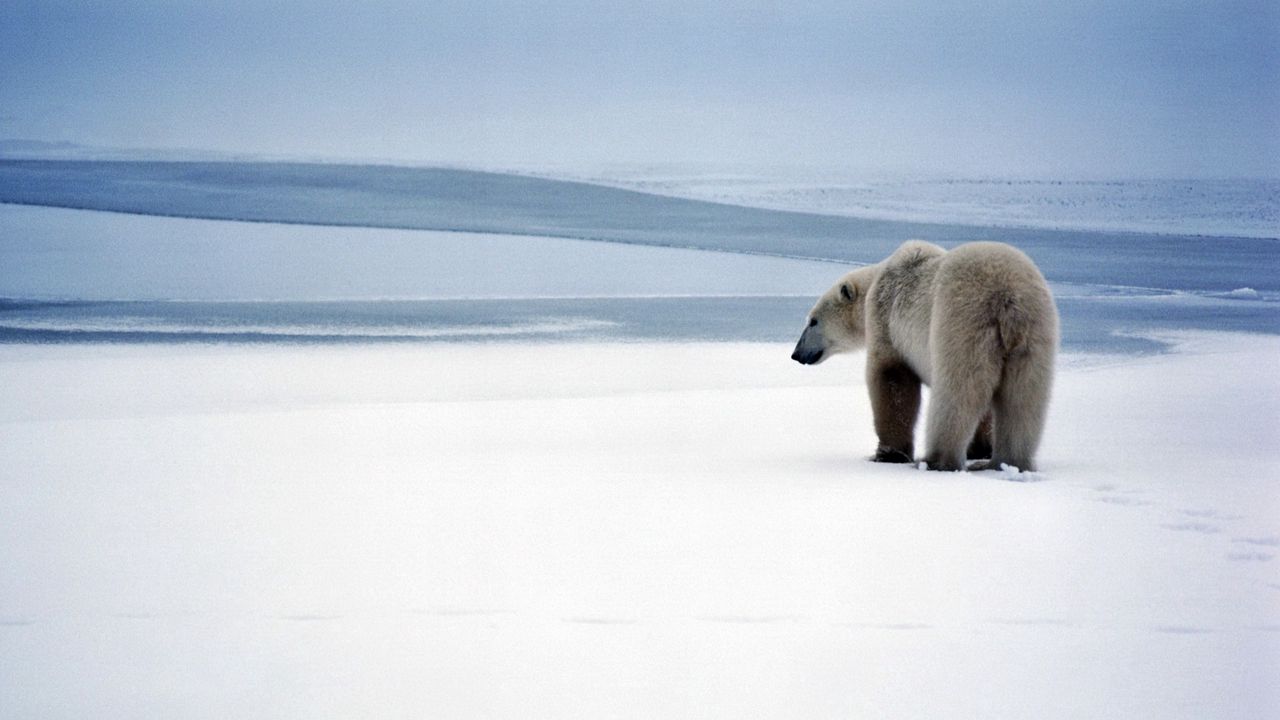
<point x="1241" y="207"/>
<point x="244" y="252"/>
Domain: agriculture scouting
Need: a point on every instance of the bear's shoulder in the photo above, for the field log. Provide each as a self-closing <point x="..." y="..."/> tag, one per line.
<point x="902" y="271"/>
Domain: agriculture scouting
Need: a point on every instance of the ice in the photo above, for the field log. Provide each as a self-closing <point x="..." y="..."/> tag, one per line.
<point x="54" y="253"/>
<point x="495" y="203"/>
<point x="1247" y="207"/>
<point x="76" y="275"/>
<point x="1245" y="292"/>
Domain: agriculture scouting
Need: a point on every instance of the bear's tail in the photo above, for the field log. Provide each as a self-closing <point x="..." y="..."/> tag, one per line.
<point x="1013" y="322"/>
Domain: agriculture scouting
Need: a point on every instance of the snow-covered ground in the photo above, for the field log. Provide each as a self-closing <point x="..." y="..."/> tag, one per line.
<point x="622" y="530"/>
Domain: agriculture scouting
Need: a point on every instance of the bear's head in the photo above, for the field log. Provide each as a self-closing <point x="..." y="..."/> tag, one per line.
<point x="838" y="322"/>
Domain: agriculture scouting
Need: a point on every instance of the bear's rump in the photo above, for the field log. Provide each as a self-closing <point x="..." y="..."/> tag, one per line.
<point x="985" y="287"/>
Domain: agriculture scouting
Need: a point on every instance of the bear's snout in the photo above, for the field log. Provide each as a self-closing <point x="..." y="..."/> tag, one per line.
<point x="811" y="347"/>
<point x="806" y="358"/>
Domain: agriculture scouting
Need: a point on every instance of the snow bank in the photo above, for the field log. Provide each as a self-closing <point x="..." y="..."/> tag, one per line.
<point x="621" y="530"/>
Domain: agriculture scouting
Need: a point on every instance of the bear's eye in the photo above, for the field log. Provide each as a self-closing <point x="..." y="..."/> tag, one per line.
<point x="813" y="322"/>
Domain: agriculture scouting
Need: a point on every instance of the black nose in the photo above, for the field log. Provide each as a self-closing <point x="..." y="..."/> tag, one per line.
<point x="806" y="357"/>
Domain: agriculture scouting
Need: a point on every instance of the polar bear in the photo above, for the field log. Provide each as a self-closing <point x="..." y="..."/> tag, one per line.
<point x="977" y="324"/>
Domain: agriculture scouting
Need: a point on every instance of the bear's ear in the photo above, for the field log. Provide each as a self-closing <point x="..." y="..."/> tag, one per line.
<point x="849" y="292"/>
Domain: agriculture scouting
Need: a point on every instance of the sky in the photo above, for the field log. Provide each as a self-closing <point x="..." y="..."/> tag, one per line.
<point x="1051" y="89"/>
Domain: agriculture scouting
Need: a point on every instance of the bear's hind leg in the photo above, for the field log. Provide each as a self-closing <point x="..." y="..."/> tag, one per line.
<point x="980" y="445"/>
<point x="895" y="402"/>
<point x="964" y="382"/>
<point x="1020" y="406"/>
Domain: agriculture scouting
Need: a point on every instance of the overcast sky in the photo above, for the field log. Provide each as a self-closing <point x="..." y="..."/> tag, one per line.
<point x="1164" y="88"/>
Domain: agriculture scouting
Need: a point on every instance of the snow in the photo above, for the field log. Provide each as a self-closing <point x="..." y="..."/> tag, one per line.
<point x="1015" y="474"/>
<point x="629" y="530"/>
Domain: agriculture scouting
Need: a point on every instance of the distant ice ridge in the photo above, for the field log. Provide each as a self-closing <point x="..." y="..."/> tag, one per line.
<point x="1238" y="297"/>
<point x="1244" y="292"/>
<point x="1232" y="207"/>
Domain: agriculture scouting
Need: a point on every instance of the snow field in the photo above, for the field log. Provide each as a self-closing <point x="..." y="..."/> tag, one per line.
<point x="666" y="530"/>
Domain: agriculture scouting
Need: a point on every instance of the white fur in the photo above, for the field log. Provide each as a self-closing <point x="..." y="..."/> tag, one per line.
<point x="977" y="324"/>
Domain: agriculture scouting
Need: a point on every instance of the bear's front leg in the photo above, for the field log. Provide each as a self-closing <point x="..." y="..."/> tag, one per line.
<point x="895" y="402"/>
